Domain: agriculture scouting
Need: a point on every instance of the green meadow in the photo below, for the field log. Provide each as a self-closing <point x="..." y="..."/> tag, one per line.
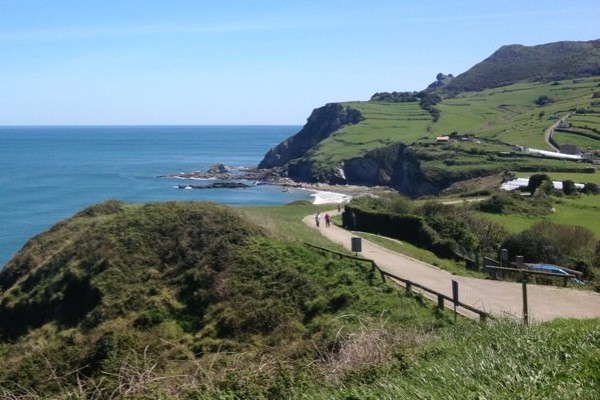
<point x="494" y="119"/>
<point x="579" y="211"/>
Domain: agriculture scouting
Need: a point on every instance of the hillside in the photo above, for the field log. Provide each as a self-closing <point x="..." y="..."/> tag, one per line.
<point x="391" y="139"/>
<point x="515" y="63"/>
<point x="183" y="285"/>
<point x="191" y="300"/>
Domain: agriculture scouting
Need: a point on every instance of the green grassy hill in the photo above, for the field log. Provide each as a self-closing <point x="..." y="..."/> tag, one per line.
<point x="193" y="300"/>
<point x="507" y="115"/>
<point x="484" y="127"/>
<point x="509" y="99"/>
<point x="191" y="290"/>
<point x="514" y="63"/>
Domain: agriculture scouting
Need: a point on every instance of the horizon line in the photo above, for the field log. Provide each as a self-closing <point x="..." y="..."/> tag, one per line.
<point x="127" y="125"/>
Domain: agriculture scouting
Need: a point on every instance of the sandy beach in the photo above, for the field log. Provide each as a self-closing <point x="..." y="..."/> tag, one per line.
<point x="334" y="194"/>
<point x="325" y="197"/>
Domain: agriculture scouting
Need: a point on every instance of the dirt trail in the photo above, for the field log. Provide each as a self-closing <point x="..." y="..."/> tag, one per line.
<point x="495" y="297"/>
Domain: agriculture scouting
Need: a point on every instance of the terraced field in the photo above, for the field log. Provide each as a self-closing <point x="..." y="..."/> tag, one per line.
<point x="494" y="119"/>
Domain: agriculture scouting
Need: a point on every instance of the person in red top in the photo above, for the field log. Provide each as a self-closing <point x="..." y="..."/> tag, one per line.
<point x="327" y="220"/>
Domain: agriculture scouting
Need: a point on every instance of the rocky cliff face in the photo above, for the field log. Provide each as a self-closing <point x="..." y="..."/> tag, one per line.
<point x="322" y="122"/>
<point x="394" y="166"/>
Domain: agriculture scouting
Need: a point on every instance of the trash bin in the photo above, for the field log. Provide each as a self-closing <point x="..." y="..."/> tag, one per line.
<point x="356" y="244"/>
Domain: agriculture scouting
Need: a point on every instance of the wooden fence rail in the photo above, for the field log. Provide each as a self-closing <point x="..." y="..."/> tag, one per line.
<point x="408" y="284"/>
<point x="489" y="269"/>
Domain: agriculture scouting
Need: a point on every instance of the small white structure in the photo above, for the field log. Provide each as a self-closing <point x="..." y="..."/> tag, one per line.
<point x="552" y="154"/>
<point x="517" y="183"/>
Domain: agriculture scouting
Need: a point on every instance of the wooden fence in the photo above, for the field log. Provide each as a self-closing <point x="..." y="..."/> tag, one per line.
<point x="493" y="269"/>
<point x="409" y="285"/>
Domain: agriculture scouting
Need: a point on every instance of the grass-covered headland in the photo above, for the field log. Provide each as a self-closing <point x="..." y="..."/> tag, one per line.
<point x="195" y="300"/>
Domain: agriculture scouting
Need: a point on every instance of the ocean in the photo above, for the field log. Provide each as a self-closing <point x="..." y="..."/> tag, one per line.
<point x="47" y="174"/>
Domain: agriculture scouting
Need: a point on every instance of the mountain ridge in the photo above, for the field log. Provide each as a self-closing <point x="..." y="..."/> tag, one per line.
<point x="513" y="63"/>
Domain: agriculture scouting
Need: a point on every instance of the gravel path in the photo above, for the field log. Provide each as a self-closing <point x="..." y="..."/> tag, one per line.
<point x="495" y="297"/>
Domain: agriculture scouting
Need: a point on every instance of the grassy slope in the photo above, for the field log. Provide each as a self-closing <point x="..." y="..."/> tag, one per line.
<point x="501" y="116"/>
<point x="509" y="113"/>
<point x="580" y="211"/>
<point x="179" y="286"/>
<point x="384" y="124"/>
<point x="379" y="344"/>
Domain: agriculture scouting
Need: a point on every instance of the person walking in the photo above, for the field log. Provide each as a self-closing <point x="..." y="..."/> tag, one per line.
<point x="327" y="220"/>
<point x="317" y="219"/>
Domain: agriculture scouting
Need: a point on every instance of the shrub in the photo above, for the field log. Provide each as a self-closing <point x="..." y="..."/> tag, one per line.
<point x="533" y="248"/>
<point x="536" y="180"/>
<point x="591" y="188"/>
<point x="569" y="187"/>
<point x="553" y="243"/>
<point x="543" y="100"/>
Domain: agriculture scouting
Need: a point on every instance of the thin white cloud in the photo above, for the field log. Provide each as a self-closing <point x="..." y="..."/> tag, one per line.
<point x="100" y="32"/>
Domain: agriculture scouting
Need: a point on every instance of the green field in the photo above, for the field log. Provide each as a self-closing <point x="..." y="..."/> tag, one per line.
<point x="495" y="119"/>
<point x="583" y="142"/>
<point x="579" y="211"/>
<point x="384" y="124"/>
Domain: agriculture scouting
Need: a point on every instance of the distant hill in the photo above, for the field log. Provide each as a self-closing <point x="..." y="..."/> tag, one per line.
<point x="509" y="99"/>
<point x="515" y="63"/>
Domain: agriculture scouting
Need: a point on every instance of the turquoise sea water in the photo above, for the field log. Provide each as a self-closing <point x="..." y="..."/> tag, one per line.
<point x="49" y="173"/>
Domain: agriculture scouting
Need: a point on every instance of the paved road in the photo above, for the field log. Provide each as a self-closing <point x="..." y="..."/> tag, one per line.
<point x="495" y="297"/>
<point x="550" y="131"/>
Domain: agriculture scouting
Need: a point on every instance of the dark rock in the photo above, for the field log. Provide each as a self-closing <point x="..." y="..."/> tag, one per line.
<point x="218" y="169"/>
<point x="216" y="185"/>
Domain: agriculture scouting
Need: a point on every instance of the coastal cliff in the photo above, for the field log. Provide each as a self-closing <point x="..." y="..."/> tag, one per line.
<point x="395" y="166"/>
<point x="421" y="143"/>
<point x="322" y="122"/>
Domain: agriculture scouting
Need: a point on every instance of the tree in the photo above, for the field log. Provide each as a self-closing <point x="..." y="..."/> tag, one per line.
<point x="591" y="188"/>
<point x="547" y="187"/>
<point x="553" y="243"/>
<point x="569" y="187"/>
<point x="536" y="180"/>
<point x="533" y="248"/>
<point x="543" y="100"/>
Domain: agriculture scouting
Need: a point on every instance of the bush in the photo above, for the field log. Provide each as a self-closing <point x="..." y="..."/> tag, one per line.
<point x="553" y="243"/>
<point x="536" y="180"/>
<point x="591" y="188"/>
<point x="569" y="187"/>
<point x="533" y="248"/>
<point x="543" y="100"/>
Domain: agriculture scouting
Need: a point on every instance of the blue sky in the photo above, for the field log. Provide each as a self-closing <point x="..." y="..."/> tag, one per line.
<point x="90" y="62"/>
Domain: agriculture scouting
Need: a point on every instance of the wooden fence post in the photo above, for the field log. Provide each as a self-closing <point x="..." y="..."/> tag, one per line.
<point x="521" y="266"/>
<point x="455" y="297"/>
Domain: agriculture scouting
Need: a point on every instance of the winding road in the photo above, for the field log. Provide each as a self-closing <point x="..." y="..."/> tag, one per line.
<point x="495" y="297"/>
<point x="550" y="131"/>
